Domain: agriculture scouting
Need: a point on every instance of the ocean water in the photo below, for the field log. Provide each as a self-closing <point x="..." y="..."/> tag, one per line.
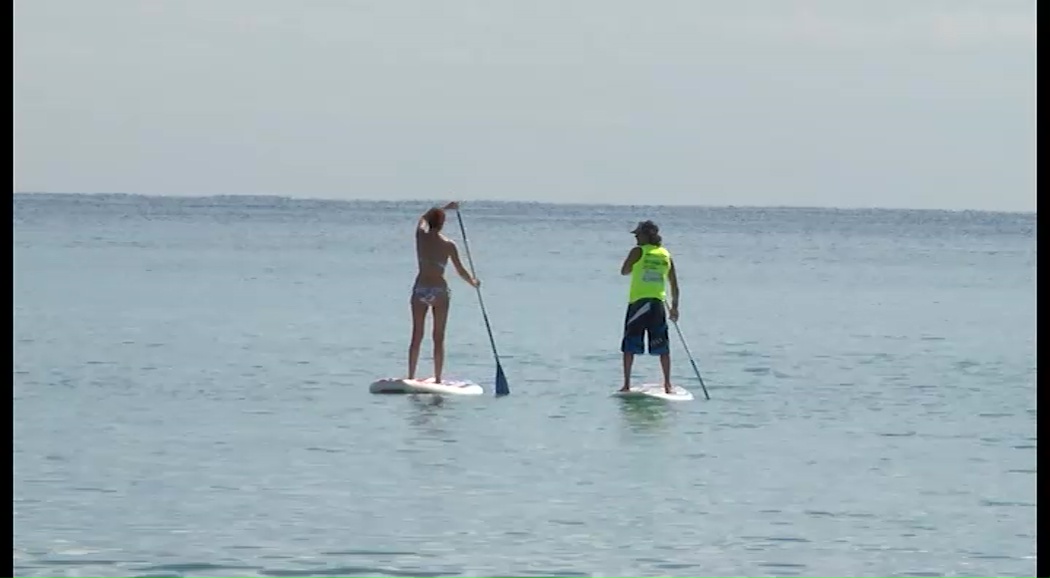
<point x="191" y="394"/>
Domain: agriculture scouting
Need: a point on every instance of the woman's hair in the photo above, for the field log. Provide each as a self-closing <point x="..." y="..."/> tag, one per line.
<point x="435" y="219"/>
<point x="653" y="239"/>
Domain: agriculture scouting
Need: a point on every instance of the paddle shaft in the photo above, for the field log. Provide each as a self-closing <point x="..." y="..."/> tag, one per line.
<point x="484" y="314"/>
<point x="687" y="352"/>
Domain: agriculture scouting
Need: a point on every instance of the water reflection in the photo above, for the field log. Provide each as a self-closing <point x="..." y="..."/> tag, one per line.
<point x="427" y="413"/>
<point x="644" y="414"/>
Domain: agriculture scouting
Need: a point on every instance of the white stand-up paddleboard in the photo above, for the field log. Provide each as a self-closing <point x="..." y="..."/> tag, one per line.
<point x="655" y="391"/>
<point x="451" y="387"/>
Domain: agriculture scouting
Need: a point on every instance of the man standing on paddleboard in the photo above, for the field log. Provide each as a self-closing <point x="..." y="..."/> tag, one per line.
<point x="650" y="266"/>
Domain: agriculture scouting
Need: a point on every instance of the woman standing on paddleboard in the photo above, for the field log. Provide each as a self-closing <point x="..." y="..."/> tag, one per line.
<point x="430" y="290"/>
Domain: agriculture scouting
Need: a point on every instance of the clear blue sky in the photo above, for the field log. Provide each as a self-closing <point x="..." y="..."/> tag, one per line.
<point x="839" y="103"/>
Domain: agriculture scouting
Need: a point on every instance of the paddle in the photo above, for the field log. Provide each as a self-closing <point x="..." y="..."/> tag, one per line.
<point x="686" y="346"/>
<point x="501" y="380"/>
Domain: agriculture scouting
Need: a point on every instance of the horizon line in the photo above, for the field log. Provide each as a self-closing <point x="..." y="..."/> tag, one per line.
<point x="515" y="201"/>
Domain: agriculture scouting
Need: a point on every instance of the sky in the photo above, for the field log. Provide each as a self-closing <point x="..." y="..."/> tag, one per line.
<point x="831" y="103"/>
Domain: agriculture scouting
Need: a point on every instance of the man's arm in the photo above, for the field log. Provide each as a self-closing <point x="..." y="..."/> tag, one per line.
<point x="632" y="258"/>
<point x="672" y="277"/>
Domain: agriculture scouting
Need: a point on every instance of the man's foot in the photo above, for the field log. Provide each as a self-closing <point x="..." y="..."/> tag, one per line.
<point x="668" y="388"/>
<point x="625" y="388"/>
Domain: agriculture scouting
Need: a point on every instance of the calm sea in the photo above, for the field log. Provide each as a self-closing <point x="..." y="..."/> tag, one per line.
<point x="191" y="394"/>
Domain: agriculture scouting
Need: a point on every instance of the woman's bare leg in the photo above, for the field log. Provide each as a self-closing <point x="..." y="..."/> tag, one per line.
<point x="440" y="320"/>
<point x="419" y="321"/>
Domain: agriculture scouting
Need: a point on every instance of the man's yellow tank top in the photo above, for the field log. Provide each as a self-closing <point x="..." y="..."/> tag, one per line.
<point x="649" y="274"/>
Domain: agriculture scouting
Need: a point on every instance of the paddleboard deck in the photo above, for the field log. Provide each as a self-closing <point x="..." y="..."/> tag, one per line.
<point x="655" y="391"/>
<point x="403" y="386"/>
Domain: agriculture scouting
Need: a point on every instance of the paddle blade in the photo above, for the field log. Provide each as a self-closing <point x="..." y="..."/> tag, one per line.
<point x="501" y="382"/>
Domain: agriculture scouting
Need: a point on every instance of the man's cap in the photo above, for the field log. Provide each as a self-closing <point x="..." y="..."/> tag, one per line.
<point x="646" y="227"/>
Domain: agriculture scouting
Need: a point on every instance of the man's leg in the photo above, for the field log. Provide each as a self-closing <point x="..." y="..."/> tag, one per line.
<point x="633" y="342"/>
<point x="659" y="342"/>
<point x="628" y="361"/>
<point x="665" y="365"/>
